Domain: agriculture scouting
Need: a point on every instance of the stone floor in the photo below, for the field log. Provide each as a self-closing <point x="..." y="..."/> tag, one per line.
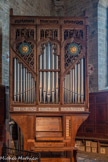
<point x="91" y="157"/>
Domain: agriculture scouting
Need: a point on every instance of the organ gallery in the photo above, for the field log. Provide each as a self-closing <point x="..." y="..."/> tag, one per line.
<point x="49" y="83"/>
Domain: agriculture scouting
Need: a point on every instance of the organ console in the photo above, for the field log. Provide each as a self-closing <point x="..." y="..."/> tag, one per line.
<point x="49" y="82"/>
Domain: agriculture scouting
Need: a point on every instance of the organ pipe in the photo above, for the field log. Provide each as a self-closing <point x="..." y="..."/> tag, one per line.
<point x="76" y="82"/>
<point x="82" y="80"/>
<point x="32" y="90"/>
<point x="21" y="81"/>
<point x="48" y="73"/>
<point x="30" y="87"/>
<point x="53" y="86"/>
<point x="40" y="79"/>
<point x="79" y="83"/>
<point x="68" y="87"/>
<point x="56" y="80"/>
<point x="15" y="80"/>
<point x="44" y="74"/>
<point x="73" y="81"/>
<point x="24" y="84"/>
<point x="65" y="83"/>
<point x="18" y="83"/>
<point x="49" y="88"/>
<point x="70" y="84"/>
<point x="73" y="85"/>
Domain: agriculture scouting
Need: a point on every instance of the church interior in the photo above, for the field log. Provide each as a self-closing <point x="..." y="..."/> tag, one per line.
<point x="54" y="80"/>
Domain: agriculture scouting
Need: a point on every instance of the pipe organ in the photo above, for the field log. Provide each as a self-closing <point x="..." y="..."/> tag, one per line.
<point x="49" y="82"/>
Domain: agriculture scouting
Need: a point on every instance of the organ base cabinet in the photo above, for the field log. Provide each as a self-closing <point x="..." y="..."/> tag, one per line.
<point x="52" y="135"/>
<point x="49" y="83"/>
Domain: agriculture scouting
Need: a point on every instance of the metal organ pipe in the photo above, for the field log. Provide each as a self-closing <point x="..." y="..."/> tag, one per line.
<point x="34" y="94"/>
<point x="28" y="90"/>
<point x="73" y="81"/>
<point x="82" y="80"/>
<point x="24" y="84"/>
<point x="15" y="79"/>
<point x="65" y="89"/>
<point x="32" y="90"/>
<point x="68" y="77"/>
<point x="79" y="83"/>
<point x="40" y="86"/>
<point x="18" y="83"/>
<point x="48" y="86"/>
<point x="30" y="87"/>
<point x="76" y="82"/>
<point x="73" y="85"/>
<point x="44" y="74"/>
<point x="23" y="81"/>
<point x="53" y="85"/>
<point x="56" y="79"/>
<point x="48" y="74"/>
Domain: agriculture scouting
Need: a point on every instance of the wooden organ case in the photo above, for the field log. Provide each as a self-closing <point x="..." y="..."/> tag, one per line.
<point x="49" y="82"/>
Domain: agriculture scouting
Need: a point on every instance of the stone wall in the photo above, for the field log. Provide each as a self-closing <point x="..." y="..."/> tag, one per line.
<point x="103" y="44"/>
<point x="20" y="7"/>
<point x="77" y="8"/>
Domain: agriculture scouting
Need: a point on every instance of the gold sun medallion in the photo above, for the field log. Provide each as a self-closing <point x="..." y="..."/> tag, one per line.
<point x="73" y="49"/>
<point x="24" y="49"/>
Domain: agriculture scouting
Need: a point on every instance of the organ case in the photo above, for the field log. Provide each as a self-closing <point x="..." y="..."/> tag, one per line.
<point x="49" y="82"/>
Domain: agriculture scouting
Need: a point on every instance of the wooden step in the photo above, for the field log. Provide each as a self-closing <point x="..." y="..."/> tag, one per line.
<point x="49" y="139"/>
<point x="55" y="160"/>
<point x="49" y="149"/>
<point x="49" y="144"/>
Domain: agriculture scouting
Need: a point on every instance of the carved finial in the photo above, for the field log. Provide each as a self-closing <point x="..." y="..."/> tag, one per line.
<point x="86" y="16"/>
<point x="11" y="11"/>
<point x="86" y="13"/>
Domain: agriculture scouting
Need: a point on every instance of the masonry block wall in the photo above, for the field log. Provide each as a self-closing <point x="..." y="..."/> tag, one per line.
<point x="103" y="44"/>
<point x="77" y="8"/>
<point x="20" y="7"/>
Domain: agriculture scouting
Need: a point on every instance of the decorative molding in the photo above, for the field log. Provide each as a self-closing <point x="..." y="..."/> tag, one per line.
<point x="49" y="109"/>
<point x="77" y="109"/>
<point x="24" y="21"/>
<point x="45" y="109"/>
<point x="24" y="109"/>
<point x="68" y="126"/>
<point x="59" y="7"/>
